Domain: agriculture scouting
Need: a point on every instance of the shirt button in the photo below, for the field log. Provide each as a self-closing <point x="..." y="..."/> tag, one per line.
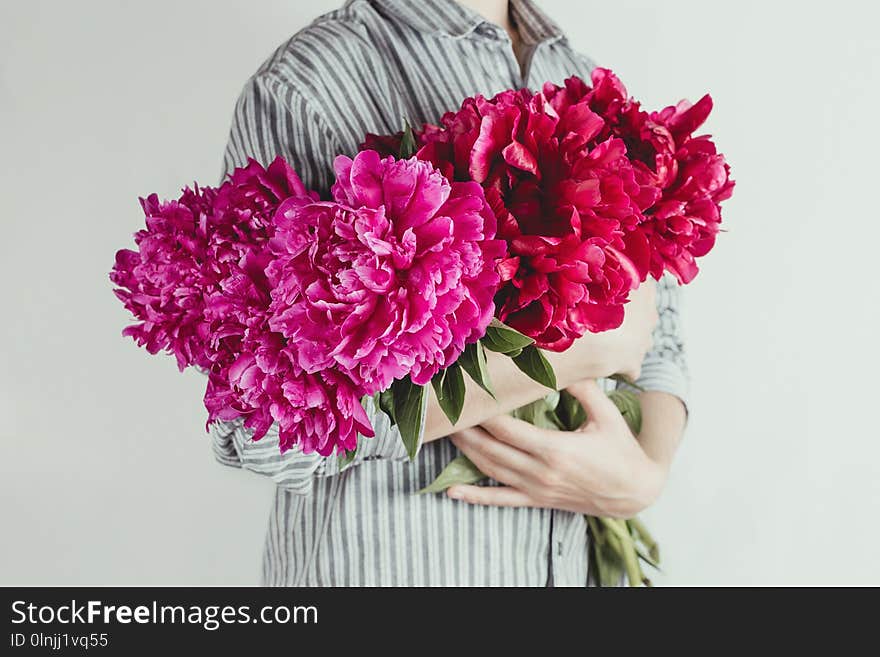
<point x="489" y="30"/>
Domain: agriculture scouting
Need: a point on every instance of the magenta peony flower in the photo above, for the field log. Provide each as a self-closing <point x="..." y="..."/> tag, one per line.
<point x="236" y="290"/>
<point x="391" y="279"/>
<point x="162" y="284"/>
<point x="193" y="251"/>
<point x="254" y="374"/>
<point x="564" y="199"/>
<point x="320" y="412"/>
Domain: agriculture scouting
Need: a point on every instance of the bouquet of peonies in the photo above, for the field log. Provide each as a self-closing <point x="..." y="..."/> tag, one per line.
<point x="519" y="223"/>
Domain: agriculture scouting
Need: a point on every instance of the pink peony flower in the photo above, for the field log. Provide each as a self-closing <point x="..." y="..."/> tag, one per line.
<point x="391" y="279"/>
<point x="564" y="200"/>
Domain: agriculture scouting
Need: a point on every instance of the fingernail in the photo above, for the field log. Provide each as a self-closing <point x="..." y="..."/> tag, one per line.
<point x="454" y="493"/>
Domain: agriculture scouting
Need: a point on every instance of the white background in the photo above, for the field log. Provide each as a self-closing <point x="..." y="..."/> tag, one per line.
<point x="106" y="475"/>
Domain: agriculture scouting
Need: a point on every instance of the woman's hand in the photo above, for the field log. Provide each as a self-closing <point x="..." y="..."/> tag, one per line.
<point x="600" y="470"/>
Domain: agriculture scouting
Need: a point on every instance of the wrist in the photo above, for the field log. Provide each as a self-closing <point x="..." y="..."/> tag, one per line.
<point x="649" y="481"/>
<point x="640" y="485"/>
<point x="586" y="359"/>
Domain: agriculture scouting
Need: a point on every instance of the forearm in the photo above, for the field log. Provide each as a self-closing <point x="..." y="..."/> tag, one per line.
<point x="665" y="380"/>
<point x="514" y="389"/>
<point x="234" y="446"/>
<point x="663" y="420"/>
<point x="592" y="356"/>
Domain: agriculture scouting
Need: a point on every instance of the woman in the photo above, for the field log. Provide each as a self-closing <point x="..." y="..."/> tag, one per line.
<point x="365" y="68"/>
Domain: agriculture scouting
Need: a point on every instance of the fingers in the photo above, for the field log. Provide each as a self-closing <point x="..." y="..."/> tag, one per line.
<point x="599" y="408"/>
<point x="490" y="495"/>
<point x="521" y="435"/>
<point x="493" y="457"/>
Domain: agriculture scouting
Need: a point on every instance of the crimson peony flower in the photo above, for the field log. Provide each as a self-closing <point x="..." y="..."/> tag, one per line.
<point x="693" y="177"/>
<point x="683" y="225"/>
<point x="564" y="200"/>
<point x="384" y="145"/>
<point x="391" y="279"/>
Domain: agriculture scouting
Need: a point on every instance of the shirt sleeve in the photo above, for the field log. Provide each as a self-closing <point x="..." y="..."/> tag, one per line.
<point x="665" y="366"/>
<point x="293" y="470"/>
<point x="272" y="118"/>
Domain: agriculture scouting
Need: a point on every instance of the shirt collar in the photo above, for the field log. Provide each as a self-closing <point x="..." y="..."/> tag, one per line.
<point x="449" y="18"/>
<point x="533" y="24"/>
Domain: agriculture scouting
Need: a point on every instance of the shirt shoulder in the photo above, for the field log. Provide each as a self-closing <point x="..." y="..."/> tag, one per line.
<point x="587" y="62"/>
<point x="323" y="57"/>
<point x="556" y="61"/>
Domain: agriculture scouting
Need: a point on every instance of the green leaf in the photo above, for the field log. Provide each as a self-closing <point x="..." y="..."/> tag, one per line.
<point x="473" y="360"/>
<point x="459" y="471"/>
<point x="409" y="408"/>
<point x="385" y="402"/>
<point x="540" y="414"/>
<point x="628" y="404"/>
<point x="644" y="556"/>
<point x="642" y="535"/>
<point x="533" y="363"/>
<point x="620" y="378"/>
<point x="346" y="459"/>
<point x="504" y="340"/>
<point x="449" y="387"/>
<point x="408" y="142"/>
<point x="571" y="414"/>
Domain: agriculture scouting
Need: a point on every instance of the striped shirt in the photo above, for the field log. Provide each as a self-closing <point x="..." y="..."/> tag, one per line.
<point x="367" y="67"/>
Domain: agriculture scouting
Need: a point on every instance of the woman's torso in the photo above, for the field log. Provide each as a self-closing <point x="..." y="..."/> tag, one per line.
<point x="366" y="68"/>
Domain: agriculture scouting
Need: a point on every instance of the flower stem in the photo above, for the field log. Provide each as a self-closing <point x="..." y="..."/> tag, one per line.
<point x="627" y="549"/>
<point x="598" y="534"/>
